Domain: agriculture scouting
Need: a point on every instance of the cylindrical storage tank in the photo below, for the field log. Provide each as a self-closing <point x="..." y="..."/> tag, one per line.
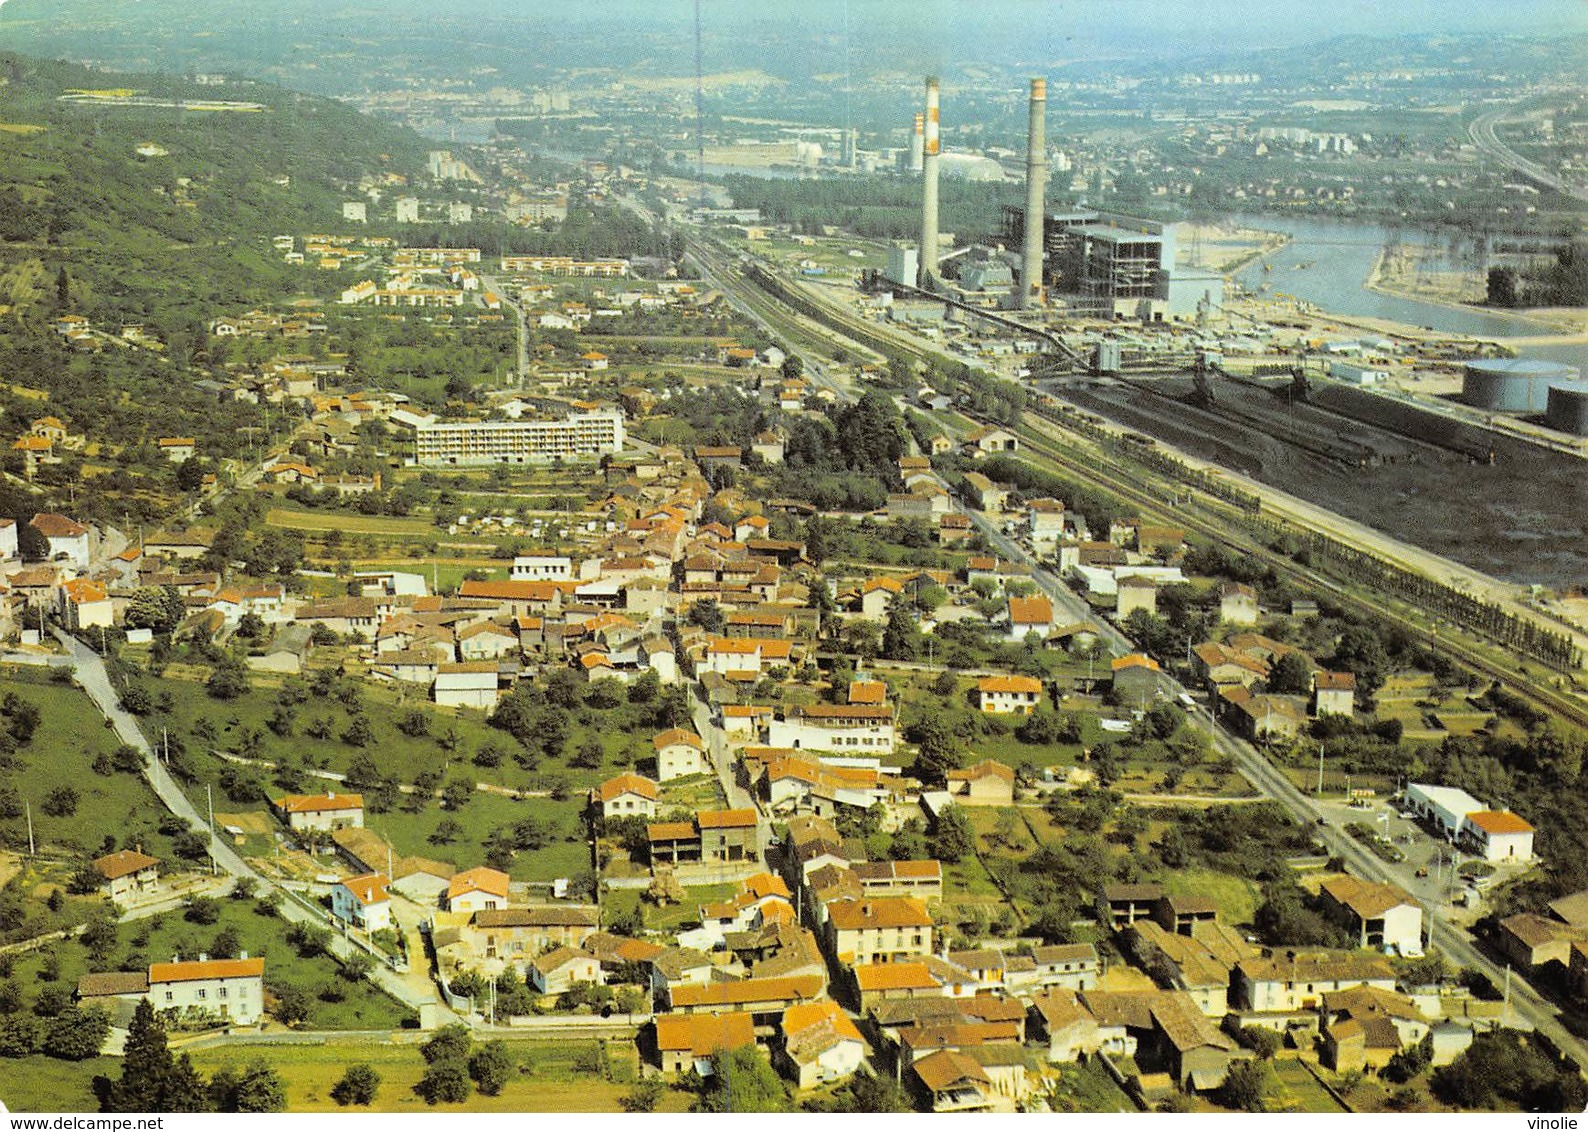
<point x="1568" y="407"/>
<point x="1512" y="385"/>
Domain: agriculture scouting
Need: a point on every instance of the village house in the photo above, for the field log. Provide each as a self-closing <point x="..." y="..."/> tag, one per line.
<point x="687" y="1042"/>
<point x="68" y="539"/>
<point x="321" y="812"/>
<point x="679" y="753"/>
<point x="819" y="1044"/>
<point x="1028" y="615"/>
<point x="1237" y="604"/>
<point x="477" y="890"/>
<point x="220" y="990"/>
<point x="127" y="874"/>
<point x="561" y="968"/>
<point x="626" y="795"/>
<point x="1333" y="693"/>
<point x="1003" y="695"/>
<point x="363" y="902"/>
<point x="988" y="783"/>
<point x="1297" y="980"/>
<point x="885" y="929"/>
<point x="1381" y="916"/>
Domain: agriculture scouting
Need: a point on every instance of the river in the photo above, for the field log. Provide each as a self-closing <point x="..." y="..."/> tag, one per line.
<point x="1341" y="254"/>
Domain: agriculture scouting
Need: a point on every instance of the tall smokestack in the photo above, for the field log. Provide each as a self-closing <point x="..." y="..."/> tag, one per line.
<point x="918" y="143"/>
<point x="1036" y="184"/>
<point x="929" y="152"/>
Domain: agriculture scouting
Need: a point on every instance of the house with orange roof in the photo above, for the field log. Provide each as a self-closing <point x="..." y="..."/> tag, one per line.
<point x="1333" y="693"/>
<point x="1006" y="695"/>
<point x="685" y="1042"/>
<point x="876" y="594"/>
<point x="84" y="604"/>
<point x="325" y="812"/>
<point x="128" y="873"/>
<point x="988" y="783"/>
<point x="1029" y="615"/>
<point x="67" y="538"/>
<point x="882" y="929"/>
<point x="363" y="902"/>
<point x="868" y="692"/>
<point x="679" y="753"/>
<point x="820" y="1044"/>
<point x="1497" y="835"/>
<point x="763" y="999"/>
<point x="627" y="795"/>
<point x="178" y="449"/>
<point x="216" y="991"/>
<point x="477" y="890"/>
<point x="880" y="982"/>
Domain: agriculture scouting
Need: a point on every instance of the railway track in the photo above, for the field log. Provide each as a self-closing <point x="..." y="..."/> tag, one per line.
<point x="1137" y="492"/>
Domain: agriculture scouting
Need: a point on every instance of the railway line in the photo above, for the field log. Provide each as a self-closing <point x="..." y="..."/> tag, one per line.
<point x="1218" y="519"/>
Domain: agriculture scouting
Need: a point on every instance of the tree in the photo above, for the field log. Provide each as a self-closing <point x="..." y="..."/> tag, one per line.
<point x="155" y="607"/>
<point x="1504" y="287"/>
<point x="866" y="1093"/>
<point x="449" y="1043"/>
<point x="1246" y="1087"/>
<point x="21" y="1035"/>
<point x="952" y="837"/>
<point x="492" y="1067"/>
<point x="644" y="1096"/>
<point x="60" y="802"/>
<point x="147" y="1067"/>
<point x="227" y="681"/>
<point x="259" y="1089"/>
<point x="292" y="1004"/>
<point x="901" y="636"/>
<point x="447" y="831"/>
<point x="1291" y="675"/>
<point x="742" y="1081"/>
<point x="77" y="1033"/>
<point x="939" y="747"/>
<point x="445" y="1082"/>
<point x="358" y="1086"/>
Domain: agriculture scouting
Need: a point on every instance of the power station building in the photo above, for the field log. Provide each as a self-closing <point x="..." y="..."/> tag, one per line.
<point x="461" y="444"/>
<point x="1107" y="265"/>
<point x="1567" y="407"/>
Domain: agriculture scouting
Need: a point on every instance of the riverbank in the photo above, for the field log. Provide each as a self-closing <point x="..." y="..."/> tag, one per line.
<point x="1389" y="276"/>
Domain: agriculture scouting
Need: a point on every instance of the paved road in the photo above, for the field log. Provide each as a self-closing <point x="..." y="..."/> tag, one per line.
<point x="1481" y="131"/>
<point x="720" y="752"/>
<point x="499" y="289"/>
<point x="91" y="675"/>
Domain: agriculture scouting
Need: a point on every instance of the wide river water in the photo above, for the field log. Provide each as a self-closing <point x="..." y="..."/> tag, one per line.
<point x="1340" y="255"/>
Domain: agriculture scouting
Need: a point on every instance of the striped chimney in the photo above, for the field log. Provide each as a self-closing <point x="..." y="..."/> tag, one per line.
<point x="929" y="188"/>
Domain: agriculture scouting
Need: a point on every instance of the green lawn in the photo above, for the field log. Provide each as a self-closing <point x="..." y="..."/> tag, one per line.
<point x="1299" y="1090"/>
<point x="548" y="1080"/>
<point x="1089" y="1088"/>
<point x="115" y="810"/>
<point x="1237" y="898"/>
<point x="361" y="1006"/>
<point x="44" y="1084"/>
<point x="617" y="903"/>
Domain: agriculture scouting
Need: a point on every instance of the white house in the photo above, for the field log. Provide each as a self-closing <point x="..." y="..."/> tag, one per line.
<point x="849" y="729"/>
<point x="362" y="901"/>
<point x="1381" y="916"/>
<point x="1004" y="695"/>
<point x="1297" y="980"/>
<point x="627" y="795"/>
<point x="559" y="969"/>
<point x="128" y="873"/>
<point x="541" y="566"/>
<point x="1444" y="806"/>
<point x="326" y="812"/>
<point x="68" y="538"/>
<point x="820" y="1044"/>
<point x="471" y="684"/>
<point x="1497" y="835"/>
<point x="679" y="753"/>
<point x="477" y="890"/>
<point x="222" y="990"/>
<point x="8" y="539"/>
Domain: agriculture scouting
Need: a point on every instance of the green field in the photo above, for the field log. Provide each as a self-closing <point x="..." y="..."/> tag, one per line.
<point x="116" y="810"/>
<point x="548" y="1081"/>
<point x="240" y="727"/>
<point x="617" y="903"/>
<point x="1089" y="1088"/>
<point x="292" y="519"/>
<point x="1236" y="897"/>
<point x="44" y="1084"/>
<point x="1299" y="1090"/>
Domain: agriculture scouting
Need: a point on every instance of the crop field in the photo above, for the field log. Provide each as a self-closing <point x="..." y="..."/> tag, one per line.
<point x="291" y="519"/>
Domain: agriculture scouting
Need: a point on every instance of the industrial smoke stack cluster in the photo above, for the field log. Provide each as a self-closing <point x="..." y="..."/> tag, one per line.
<point x="1036" y="184"/>
<point x="925" y="146"/>
<point x="929" y="151"/>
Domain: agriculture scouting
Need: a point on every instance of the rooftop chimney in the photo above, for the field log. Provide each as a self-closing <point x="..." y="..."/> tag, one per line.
<point x="1036" y="183"/>
<point x="930" y="147"/>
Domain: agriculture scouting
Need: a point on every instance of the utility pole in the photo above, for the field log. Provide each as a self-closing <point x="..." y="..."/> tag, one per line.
<point x="209" y="797"/>
<point x="1319" y="791"/>
<point x="28" y="809"/>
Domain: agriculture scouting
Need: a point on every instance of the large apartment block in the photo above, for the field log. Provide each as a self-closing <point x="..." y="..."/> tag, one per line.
<point x="517" y="442"/>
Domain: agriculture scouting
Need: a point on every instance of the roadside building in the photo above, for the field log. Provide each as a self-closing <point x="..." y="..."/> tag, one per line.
<point x="363" y="902"/>
<point x="128" y="874"/>
<point x="477" y="890"/>
<point x="1004" y="695"/>
<point x="216" y="991"/>
<point x="321" y="812"/>
<point x="1382" y="916"/>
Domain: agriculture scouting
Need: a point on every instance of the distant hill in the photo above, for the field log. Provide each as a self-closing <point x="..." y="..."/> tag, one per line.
<point x="150" y="205"/>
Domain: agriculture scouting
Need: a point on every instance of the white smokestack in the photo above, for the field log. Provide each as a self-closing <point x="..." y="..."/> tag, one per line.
<point x="1036" y="184"/>
<point x="918" y="143"/>
<point x="929" y="152"/>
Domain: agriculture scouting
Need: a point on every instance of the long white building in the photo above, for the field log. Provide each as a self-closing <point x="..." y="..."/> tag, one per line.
<point x="438" y="444"/>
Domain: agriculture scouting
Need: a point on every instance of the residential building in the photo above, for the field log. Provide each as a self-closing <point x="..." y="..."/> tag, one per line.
<point x="1377" y="915"/>
<point x="1004" y="695"/>
<point x="842" y="729"/>
<point x="1297" y="980"/>
<point x="85" y="604"/>
<point x="127" y="874"/>
<point x="1029" y="615"/>
<point x="477" y="890"/>
<point x="627" y="795"/>
<point x="949" y="1081"/>
<point x="1333" y="693"/>
<point x="67" y="538"/>
<point x="820" y="1044"/>
<point x="323" y="812"/>
<point x="561" y="968"/>
<point x="687" y="1042"/>
<point x="1497" y="835"/>
<point x="988" y="783"/>
<point x="679" y="753"/>
<point x="462" y="444"/>
<point x="363" y="902"/>
<point x="1237" y="604"/>
<point x="221" y="991"/>
<point x="884" y="929"/>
